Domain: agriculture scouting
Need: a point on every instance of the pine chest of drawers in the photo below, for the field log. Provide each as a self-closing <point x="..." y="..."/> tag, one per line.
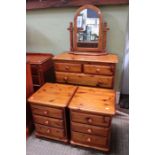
<point x="91" y="111"/>
<point x="48" y="106"/>
<point x="98" y="71"/>
<point x="41" y="68"/>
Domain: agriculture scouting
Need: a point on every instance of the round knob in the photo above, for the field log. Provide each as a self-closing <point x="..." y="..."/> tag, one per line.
<point x="66" y="67"/>
<point x="89" y="120"/>
<point x="48" y="131"/>
<point x="88" y="140"/>
<point x="45" y="112"/>
<point x="97" y="70"/>
<point x="46" y="122"/>
<point x="89" y="131"/>
<point x="65" y="78"/>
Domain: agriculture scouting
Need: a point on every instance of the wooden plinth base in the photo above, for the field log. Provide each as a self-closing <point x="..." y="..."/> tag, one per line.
<point x="104" y="149"/>
<point x="52" y="138"/>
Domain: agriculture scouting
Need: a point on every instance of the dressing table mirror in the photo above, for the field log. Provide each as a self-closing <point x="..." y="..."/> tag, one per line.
<point x="88" y="35"/>
<point x="87" y="63"/>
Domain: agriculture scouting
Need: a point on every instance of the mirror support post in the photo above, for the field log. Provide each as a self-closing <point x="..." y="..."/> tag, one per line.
<point x="71" y="36"/>
<point x="105" y="29"/>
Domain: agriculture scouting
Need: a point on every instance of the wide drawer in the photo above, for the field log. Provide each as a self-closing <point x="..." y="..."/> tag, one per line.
<point x="89" y="139"/>
<point x="68" y="67"/>
<point x="90" y="119"/>
<point x="89" y="129"/>
<point x="85" y="79"/>
<point x="48" y="121"/>
<point x="99" y="69"/>
<point x="49" y="131"/>
<point x="47" y="111"/>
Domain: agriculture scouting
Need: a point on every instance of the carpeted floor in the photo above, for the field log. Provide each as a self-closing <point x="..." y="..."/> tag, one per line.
<point x="119" y="142"/>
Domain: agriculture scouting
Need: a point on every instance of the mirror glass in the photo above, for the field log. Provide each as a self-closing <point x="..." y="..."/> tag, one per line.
<point x="87" y="29"/>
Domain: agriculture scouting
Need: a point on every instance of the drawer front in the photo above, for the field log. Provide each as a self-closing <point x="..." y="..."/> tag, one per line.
<point x="34" y="69"/>
<point x="90" y="119"/>
<point x="85" y="79"/>
<point x="89" y="129"/>
<point x="99" y="69"/>
<point x="49" y="131"/>
<point x="47" y="111"/>
<point x="48" y="121"/>
<point x="68" y="67"/>
<point x="89" y="139"/>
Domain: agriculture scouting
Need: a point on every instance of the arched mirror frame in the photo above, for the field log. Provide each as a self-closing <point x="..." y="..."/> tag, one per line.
<point x="100" y="47"/>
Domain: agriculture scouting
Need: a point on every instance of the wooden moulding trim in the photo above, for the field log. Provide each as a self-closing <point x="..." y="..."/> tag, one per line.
<point x="40" y="4"/>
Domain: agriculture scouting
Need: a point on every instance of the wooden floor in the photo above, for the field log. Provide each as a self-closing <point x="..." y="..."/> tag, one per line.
<point x="119" y="142"/>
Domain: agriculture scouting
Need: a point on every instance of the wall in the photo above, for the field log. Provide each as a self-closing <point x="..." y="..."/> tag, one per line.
<point x="47" y="31"/>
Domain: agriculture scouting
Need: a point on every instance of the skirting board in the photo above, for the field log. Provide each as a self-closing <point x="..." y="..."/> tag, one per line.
<point x="117" y="97"/>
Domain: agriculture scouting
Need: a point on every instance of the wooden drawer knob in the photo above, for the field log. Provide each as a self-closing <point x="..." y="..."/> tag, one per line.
<point x="45" y="112"/>
<point x="89" y="120"/>
<point x="89" y="131"/>
<point x="97" y="70"/>
<point x="65" y="78"/>
<point x="48" y="130"/>
<point x="46" y="122"/>
<point x="88" y="140"/>
<point x="66" y="67"/>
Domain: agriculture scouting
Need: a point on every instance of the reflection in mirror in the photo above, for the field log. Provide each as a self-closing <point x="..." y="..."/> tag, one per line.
<point x="87" y="29"/>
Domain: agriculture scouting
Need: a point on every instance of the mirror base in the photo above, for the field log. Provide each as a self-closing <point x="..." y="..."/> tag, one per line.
<point x="88" y="53"/>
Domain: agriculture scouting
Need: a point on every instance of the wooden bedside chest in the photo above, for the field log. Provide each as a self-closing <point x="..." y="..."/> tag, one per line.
<point x="98" y="71"/>
<point x="91" y="111"/>
<point x="48" y="106"/>
<point x="41" y="68"/>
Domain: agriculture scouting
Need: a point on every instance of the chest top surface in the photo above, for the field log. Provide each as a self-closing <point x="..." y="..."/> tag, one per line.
<point x="95" y="100"/>
<point x="37" y="59"/>
<point x="109" y="58"/>
<point x="53" y="94"/>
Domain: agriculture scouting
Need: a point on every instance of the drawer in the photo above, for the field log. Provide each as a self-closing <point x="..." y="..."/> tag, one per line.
<point x="89" y="139"/>
<point x="68" y="67"/>
<point x="48" y="121"/>
<point x="36" y="79"/>
<point x="90" y="119"/>
<point x="85" y="79"/>
<point x="34" y="69"/>
<point x="89" y="129"/>
<point x="47" y="111"/>
<point x="99" y="69"/>
<point x="49" y="131"/>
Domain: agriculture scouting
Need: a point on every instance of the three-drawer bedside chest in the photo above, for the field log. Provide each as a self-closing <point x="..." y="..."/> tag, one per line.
<point x="41" y="68"/>
<point x="91" y="111"/>
<point x="48" y="106"/>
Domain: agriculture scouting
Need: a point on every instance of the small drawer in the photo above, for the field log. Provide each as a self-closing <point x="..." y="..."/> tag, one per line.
<point x="90" y="119"/>
<point x="47" y="111"/>
<point x="36" y="79"/>
<point x="34" y="69"/>
<point x="68" y="67"/>
<point x="48" y="121"/>
<point x="99" y="69"/>
<point x="89" y="139"/>
<point x="89" y="129"/>
<point x="49" y="131"/>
